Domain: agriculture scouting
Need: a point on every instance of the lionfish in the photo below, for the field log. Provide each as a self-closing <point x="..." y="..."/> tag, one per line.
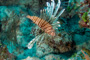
<point x="44" y="25"/>
<point x="47" y="21"/>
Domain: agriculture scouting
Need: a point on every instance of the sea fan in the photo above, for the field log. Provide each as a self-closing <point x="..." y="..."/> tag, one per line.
<point x="49" y="16"/>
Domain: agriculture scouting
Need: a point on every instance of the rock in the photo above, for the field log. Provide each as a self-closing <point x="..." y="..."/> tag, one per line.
<point x="59" y="44"/>
<point x="31" y="58"/>
<point x="16" y="30"/>
<point x="43" y="49"/>
<point x="5" y="55"/>
<point x="30" y="4"/>
<point x="53" y="57"/>
<point x="79" y="39"/>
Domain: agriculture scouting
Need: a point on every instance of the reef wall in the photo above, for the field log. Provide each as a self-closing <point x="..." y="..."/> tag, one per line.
<point x="16" y="30"/>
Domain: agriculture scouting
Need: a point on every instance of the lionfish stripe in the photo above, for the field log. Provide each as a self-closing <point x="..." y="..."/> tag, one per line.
<point x="37" y="21"/>
<point x="46" y="26"/>
<point x="47" y="31"/>
<point x="41" y="22"/>
<point x="45" y="23"/>
<point x="49" y="28"/>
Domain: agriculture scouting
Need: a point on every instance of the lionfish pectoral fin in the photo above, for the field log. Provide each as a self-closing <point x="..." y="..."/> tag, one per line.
<point x="31" y="43"/>
<point x="56" y="24"/>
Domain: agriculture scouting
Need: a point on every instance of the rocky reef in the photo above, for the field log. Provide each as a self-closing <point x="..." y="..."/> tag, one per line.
<point x="16" y="31"/>
<point x="5" y="55"/>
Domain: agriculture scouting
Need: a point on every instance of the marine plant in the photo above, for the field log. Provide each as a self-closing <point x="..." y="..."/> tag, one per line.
<point x="84" y="18"/>
<point x="49" y="16"/>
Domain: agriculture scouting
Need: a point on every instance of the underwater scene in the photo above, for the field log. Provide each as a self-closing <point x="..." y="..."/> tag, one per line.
<point x="44" y="29"/>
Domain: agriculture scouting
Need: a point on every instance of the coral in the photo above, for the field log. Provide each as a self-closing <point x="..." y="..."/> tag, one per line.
<point x="42" y="3"/>
<point x="64" y="44"/>
<point x="43" y="49"/>
<point x="74" y="55"/>
<point x="31" y="58"/>
<point x="86" y="50"/>
<point x="8" y="2"/>
<point x="28" y="4"/>
<point x="15" y="28"/>
<point x="86" y="56"/>
<point x="85" y="47"/>
<point x="32" y="5"/>
<point x="71" y="9"/>
<point x="53" y="57"/>
<point x="59" y="44"/>
<point x="84" y="17"/>
<point x="4" y="54"/>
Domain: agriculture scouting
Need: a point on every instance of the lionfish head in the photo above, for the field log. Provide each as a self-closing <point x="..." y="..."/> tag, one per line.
<point x="30" y="17"/>
<point x="52" y="33"/>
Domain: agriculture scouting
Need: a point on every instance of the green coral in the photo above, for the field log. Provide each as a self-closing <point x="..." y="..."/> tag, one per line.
<point x="68" y="9"/>
<point x="74" y="55"/>
<point x="72" y="7"/>
<point x="84" y="17"/>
